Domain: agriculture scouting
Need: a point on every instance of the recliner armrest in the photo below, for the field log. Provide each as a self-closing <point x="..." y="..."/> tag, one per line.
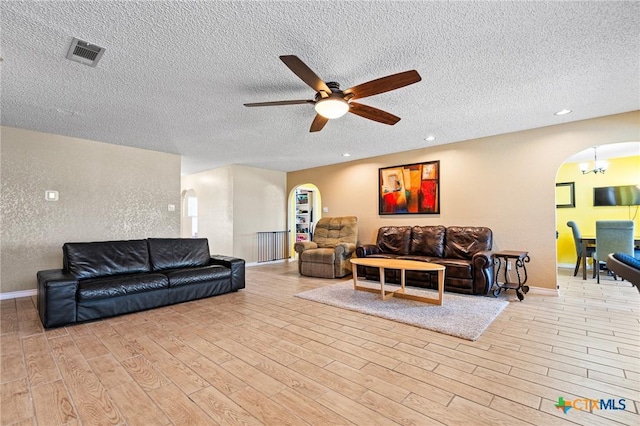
<point x="365" y="250"/>
<point x="237" y="267"/>
<point x="56" y="300"/>
<point x="301" y="246"/>
<point x="345" y="249"/>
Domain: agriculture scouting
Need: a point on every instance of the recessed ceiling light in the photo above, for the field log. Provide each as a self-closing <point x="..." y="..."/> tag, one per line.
<point x="430" y="138"/>
<point x="563" y="112"/>
<point x="346" y="154"/>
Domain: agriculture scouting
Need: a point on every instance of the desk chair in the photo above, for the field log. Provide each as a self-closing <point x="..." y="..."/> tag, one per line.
<point x="576" y="239"/>
<point x="612" y="236"/>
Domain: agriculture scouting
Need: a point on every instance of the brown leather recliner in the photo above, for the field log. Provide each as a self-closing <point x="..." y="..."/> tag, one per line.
<point x="334" y="242"/>
<point x="464" y="251"/>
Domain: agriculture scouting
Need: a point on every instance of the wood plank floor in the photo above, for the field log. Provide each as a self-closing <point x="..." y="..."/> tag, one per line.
<point x="262" y="356"/>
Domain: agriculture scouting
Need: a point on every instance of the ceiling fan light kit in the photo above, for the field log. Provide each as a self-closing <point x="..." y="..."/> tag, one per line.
<point x="332" y="107"/>
<point x="331" y="102"/>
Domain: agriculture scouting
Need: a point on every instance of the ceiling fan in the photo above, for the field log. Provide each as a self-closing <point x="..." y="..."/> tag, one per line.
<point x="332" y="102"/>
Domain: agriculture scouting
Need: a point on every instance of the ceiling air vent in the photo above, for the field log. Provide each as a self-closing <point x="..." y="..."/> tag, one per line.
<point x="85" y="53"/>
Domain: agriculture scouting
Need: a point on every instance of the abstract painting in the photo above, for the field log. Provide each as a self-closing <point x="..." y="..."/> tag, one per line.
<point x="410" y="189"/>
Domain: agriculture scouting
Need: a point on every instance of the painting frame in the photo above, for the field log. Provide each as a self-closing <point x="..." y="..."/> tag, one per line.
<point x="565" y="195"/>
<point x="409" y="189"/>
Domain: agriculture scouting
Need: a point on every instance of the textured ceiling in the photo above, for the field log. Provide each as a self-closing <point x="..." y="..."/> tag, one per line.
<point x="175" y="74"/>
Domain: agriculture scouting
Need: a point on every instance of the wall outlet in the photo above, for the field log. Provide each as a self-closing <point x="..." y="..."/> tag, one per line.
<point x="171" y="207"/>
<point x="325" y="210"/>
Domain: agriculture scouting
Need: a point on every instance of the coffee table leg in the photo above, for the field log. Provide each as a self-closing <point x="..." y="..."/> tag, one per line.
<point x="440" y="285"/>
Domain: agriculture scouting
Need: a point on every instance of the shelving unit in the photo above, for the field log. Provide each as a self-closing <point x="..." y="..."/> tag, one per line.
<point x="303" y="215"/>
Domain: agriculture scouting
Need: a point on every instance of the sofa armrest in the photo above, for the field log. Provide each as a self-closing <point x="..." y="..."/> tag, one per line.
<point x="365" y="250"/>
<point x="345" y="250"/>
<point x="237" y="267"/>
<point x="483" y="272"/>
<point x="625" y="266"/>
<point x="56" y="300"/>
<point x="301" y="246"/>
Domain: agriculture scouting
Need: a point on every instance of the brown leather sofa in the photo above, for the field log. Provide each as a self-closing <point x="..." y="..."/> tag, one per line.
<point x="465" y="251"/>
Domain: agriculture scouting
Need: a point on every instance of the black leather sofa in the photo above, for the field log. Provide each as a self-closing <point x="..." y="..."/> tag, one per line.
<point x="102" y="279"/>
<point x="465" y="251"/>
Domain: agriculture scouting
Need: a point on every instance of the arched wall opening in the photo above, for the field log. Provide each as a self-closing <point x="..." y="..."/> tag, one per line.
<point x="302" y="216"/>
<point x="575" y="195"/>
<point x="189" y="216"/>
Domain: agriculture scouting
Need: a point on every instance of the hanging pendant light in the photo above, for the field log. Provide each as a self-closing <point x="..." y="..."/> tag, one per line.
<point x="599" y="166"/>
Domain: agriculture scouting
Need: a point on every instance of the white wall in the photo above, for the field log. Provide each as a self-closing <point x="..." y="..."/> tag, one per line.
<point x="504" y="182"/>
<point x="236" y="202"/>
<point x="260" y="204"/>
<point x="214" y="189"/>
<point x="107" y="192"/>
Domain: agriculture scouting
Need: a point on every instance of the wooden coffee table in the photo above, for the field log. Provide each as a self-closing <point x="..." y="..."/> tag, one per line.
<point x="402" y="265"/>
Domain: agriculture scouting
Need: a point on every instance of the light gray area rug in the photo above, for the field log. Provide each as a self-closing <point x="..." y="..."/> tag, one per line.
<point x="462" y="316"/>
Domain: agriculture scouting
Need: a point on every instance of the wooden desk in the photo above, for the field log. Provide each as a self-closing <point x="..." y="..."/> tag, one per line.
<point x="402" y="265"/>
<point x="590" y="240"/>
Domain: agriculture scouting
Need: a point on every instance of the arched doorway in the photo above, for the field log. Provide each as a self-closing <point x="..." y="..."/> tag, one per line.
<point x="575" y="194"/>
<point x="304" y="211"/>
<point x="189" y="218"/>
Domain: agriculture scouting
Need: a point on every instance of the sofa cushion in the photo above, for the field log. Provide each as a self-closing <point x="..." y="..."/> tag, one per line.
<point x="103" y="288"/>
<point x="462" y="242"/>
<point x="106" y="258"/>
<point x="428" y="240"/>
<point x="394" y="240"/>
<point x="173" y="253"/>
<point x="457" y="268"/>
<point x="180" y="277"/>
<point x="430" y="259"/>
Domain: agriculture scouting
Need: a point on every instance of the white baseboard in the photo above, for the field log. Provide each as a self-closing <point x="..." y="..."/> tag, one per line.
<point x="18" y="294"/>
<point x="250" y="264"/>
<point x="544" y="291"/>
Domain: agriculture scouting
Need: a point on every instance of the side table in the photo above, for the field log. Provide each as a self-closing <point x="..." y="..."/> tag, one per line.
<point x="521" y="259"/>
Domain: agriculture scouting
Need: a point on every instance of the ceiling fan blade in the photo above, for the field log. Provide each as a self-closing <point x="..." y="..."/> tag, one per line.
<point x="318" y="123"/>
<point x="275" y="103"/>
<point x="305" y="73"/>
<point x="372" y="113"/>
<point x="384" y="84"/>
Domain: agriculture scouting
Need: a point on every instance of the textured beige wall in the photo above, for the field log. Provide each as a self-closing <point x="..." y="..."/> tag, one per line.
<point x="107" y="192"/>
<point x="505" y="182"/>
<point x="235" y="202"/>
